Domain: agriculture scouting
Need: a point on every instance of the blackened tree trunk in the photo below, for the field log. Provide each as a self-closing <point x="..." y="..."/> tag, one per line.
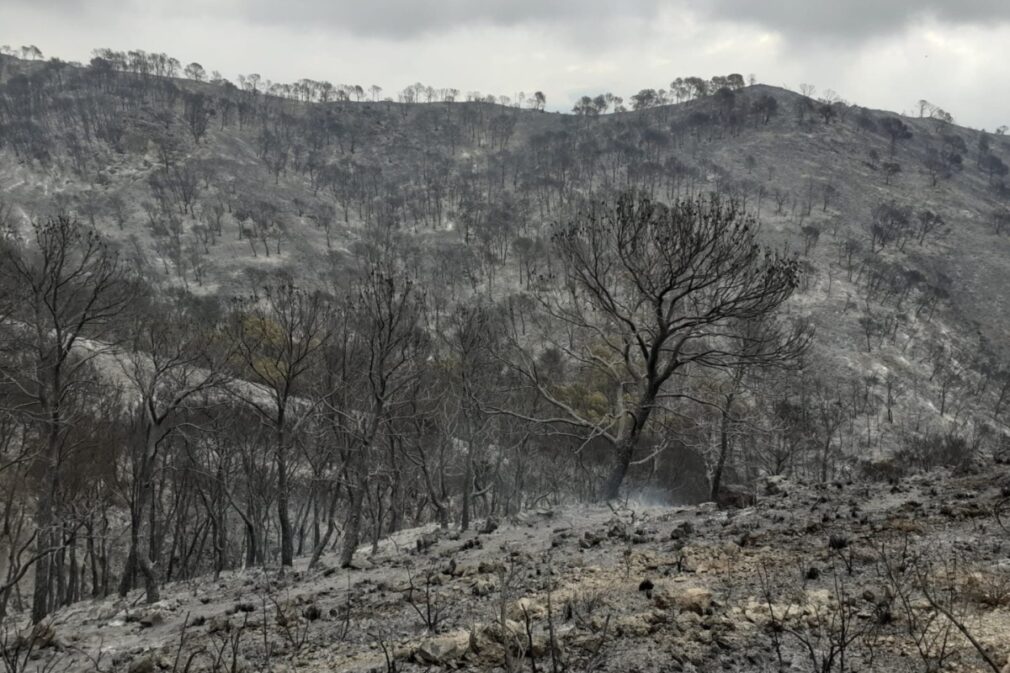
<point x="283" y="496"/>
<point x="724" y="447"/>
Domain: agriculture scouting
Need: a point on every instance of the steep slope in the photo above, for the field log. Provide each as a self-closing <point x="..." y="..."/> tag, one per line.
<point x="219" y="190"/>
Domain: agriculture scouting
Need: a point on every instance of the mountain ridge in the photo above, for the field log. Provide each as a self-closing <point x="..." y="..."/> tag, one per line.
<point x="217" y="190"/>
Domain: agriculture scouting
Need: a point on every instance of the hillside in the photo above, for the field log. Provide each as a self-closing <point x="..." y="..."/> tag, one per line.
<point x="219" y="190"/>
<point x="246" y="330"/>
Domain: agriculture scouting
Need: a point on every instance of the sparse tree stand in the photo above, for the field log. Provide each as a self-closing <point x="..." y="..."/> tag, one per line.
<point x="469" y="337"/>
<point x="277" y="341"/>
<point x="65" y="285"/>
<point x="172" y="362"/>
<point x="649" y="290"/>
<point x="759" y="343"/>
<point x="385" y="310"/>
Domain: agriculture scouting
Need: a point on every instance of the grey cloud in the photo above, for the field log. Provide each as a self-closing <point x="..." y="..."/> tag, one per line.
<point x="397" y="19"/>
<point x="408" y="18"/>
<point x="845" y="19"/>
<point x="592" y="19"/>
<point x="852" y="19"/>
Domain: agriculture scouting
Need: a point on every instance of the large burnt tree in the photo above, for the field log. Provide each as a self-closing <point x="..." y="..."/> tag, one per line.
<point x="649" y="290"/>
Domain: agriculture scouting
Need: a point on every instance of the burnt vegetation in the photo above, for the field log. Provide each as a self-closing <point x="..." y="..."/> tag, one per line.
<point x="262" y="322"/>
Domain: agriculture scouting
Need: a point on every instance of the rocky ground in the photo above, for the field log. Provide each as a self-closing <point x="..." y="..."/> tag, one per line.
<point x="910" y="576"/>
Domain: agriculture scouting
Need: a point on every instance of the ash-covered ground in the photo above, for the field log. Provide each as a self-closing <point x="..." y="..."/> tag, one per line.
<point x="905" y="576"/>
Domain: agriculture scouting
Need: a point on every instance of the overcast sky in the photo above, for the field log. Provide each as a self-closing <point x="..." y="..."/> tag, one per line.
<point x="878" y="53"/>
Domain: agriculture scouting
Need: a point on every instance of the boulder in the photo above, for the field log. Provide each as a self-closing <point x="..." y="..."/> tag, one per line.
<point x="682" y="531"/>
<point x="151" y="618"/>
<point x="485" y="642"/>
<point x="643" y="535"/>
<point x="490" y="567"/>
<point x="667" y="595"/>
<point x="489" y="641"/>
<point x="632" y="626"/>
<point x="40" y="636"/>
<point x="735" y="498"/>
<point x="490" y="526"/>
<point x="776" y="484"/>
<point x="524" y="607"/>
<point x="688" y="622"/>
<point x="219" y="624"/>
<point x="104" y="613"/>
<point x="428" y="540"/>
<point x="442" y="650"/>
<point x="471" y="543"/>
<point x="484" y="586"/>
<point x="145" y="663"/>
<point x="360" y="564"/>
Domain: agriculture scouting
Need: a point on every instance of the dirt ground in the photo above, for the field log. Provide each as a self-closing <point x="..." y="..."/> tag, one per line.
<point x="836" y="577"/>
